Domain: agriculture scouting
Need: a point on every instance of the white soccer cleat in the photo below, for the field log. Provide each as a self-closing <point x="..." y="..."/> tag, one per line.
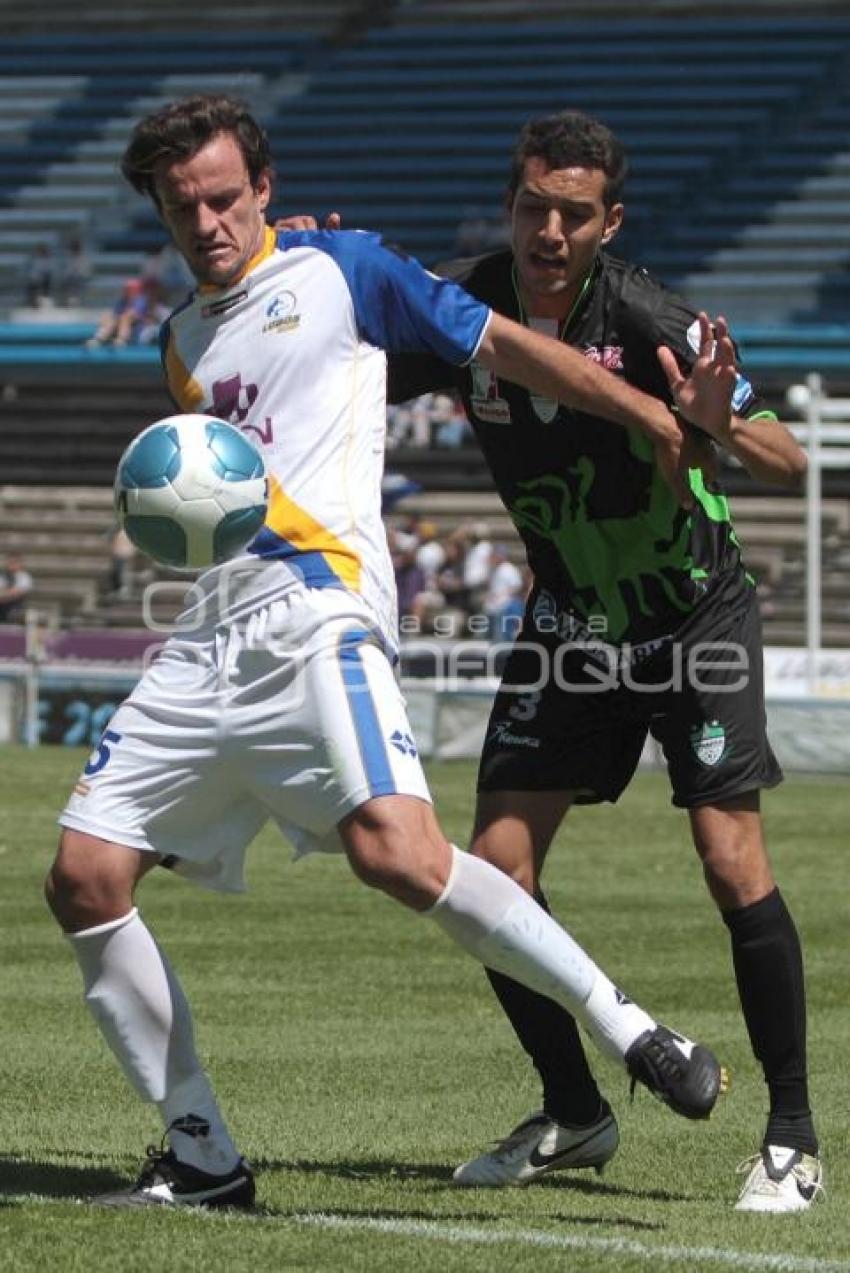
<point x="539" y="1145"/>
<point x="780" y="1180"/>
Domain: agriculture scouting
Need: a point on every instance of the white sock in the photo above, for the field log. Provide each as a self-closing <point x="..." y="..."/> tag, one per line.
<point x="495" y="920"/>
<point x="143" y="1014"/>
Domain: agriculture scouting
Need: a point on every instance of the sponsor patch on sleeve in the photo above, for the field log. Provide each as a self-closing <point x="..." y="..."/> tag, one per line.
<point x="742" y="395"/>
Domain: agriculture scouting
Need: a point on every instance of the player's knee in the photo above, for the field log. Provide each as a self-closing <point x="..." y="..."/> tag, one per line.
<point x="82" y="891"/>
<point x="394" y="843"/>
<point x="410" y="863"/>
<point x="70" y="895"/>
<point x="378" y="862"/>
<point x="517" y="865"/>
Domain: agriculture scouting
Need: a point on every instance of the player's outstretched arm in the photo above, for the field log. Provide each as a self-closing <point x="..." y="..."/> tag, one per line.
<point x="556" y="371"/>
<point x="765" y="448"/>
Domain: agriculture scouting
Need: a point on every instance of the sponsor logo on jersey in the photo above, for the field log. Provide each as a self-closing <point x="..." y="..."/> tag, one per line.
<point x="608" y="356"/>
<point x="485" y="401"/>
<point x="216" y="308"/>
<point x="709" y="743"/>
<point x="281" y="313"/>
<point x="232" y="401"/>
<point x="501" y="733"/>
<point x="743" y="394"/>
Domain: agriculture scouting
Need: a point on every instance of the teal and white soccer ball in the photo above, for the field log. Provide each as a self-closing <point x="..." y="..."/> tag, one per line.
<point x="191" y="491"/>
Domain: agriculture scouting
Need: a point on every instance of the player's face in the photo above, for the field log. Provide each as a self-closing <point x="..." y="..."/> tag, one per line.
<point x="213" y="213"/>
<point x="558" y="223"/>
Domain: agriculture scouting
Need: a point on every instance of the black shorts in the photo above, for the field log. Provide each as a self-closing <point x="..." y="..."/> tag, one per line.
<point x="567" y="718"/>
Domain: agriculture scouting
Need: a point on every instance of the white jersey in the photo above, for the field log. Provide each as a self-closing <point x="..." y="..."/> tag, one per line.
<point x="293" y="353"/>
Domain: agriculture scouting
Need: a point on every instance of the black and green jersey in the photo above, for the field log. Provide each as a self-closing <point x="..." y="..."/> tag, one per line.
<point x="603" y="531"/>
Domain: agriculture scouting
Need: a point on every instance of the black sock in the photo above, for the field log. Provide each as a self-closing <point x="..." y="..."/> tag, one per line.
<point x="769" y="972"/>
<point x="551" y="1038"/>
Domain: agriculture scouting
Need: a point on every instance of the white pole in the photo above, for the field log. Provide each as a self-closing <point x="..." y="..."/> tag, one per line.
<point x="813" y="530"/>
<point x="31" y="629"/>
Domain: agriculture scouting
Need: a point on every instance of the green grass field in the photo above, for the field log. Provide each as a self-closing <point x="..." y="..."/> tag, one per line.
<point x="359" y="1058"/>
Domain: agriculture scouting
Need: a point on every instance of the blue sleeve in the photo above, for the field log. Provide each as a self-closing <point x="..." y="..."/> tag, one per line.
<point x="399" y="305"/>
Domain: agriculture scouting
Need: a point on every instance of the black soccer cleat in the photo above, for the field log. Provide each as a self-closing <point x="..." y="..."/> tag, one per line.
<point x="684" y="1075"/>
<point x="166" y="1182"/>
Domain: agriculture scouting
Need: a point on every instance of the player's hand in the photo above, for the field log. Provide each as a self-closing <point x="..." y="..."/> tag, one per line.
<point x="705" y="395"/>
<point x="333" y="221"/>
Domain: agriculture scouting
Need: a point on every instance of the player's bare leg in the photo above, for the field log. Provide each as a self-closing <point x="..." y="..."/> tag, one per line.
<point x="143" y="1015"/>
<point x="394" y="843"/>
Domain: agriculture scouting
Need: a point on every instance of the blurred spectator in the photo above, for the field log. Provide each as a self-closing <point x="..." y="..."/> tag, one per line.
<point x="451" y="425"/>
<point x="430" y="554"/>
<point x="476" y="565"/>
<point x="409" y="579"/>
<point x="504" y="599"/>
<point x="166" y="267"/>
<point x="435" y="419"/>
<point x="121" y="565"/>
<point x="395" y="486"/>
<point x="409" y="423"/>
<point x="15" y="584"/>
<point x="405" y="533"/>
<point x="76" y="271"/>
<point x="41" y="276"/>
<point x="450" y="582"/>
<point x="135" y="317"/>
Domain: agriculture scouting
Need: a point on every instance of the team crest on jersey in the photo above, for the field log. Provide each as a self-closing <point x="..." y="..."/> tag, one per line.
<point x="544" y="408"/>
<point x="709" y="743"/>
<point x="485" y="400"/>
<point x="281" y="313"/>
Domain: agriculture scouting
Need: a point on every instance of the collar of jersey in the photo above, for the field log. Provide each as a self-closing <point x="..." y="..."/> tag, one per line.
<point x="565" y="324"/>
<point x="269" y="240"/>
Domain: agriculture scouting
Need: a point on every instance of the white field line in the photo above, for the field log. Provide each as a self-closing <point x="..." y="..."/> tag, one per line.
<point x="463" y="1235"/>
<point x="614" y="1247"/>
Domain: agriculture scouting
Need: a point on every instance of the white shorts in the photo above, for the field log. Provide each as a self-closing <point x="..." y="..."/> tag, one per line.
<point x="292" y="714"/>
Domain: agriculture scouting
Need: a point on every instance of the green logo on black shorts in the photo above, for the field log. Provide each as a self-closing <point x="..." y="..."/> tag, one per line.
<point x="709" y="743"/>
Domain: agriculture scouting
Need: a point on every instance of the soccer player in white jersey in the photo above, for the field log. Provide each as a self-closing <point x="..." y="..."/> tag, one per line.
<point x="276" y="697"/>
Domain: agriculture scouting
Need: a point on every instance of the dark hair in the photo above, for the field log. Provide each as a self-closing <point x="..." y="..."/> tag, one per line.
<point x="179" y="131"/>
<point x="568" y="140"/>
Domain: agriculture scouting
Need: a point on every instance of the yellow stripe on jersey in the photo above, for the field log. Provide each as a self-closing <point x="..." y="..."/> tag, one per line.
<point x="269" y="244"/>
<point x="185" y="390"/>
<point x="286" y="519"/>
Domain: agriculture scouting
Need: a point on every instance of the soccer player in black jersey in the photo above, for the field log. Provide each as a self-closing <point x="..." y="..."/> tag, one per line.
<point x="642" y="619"/>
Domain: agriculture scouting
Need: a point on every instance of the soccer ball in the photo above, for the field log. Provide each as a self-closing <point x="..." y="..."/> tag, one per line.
<point x="191" y="491"/>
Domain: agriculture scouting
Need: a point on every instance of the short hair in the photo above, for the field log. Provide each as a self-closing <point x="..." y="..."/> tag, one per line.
<point x="180" y="130"/>
<point x="567" y="140"/>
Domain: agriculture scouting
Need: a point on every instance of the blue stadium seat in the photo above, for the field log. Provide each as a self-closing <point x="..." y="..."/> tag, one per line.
<point x="729" y="122"/>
